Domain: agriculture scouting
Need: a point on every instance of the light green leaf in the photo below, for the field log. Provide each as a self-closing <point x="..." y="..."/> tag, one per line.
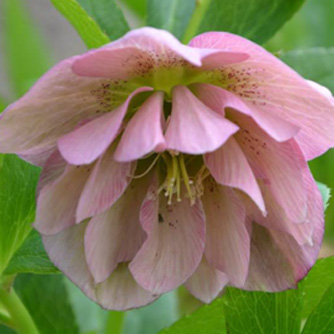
<point x="315" y="284"/>
<point x="108" y="16"/>
<point x="18" y="181"/>
<point x="325" y="193"/>
<point x="86" y="27"/>
<point x="314" y="64"/>
<point x="257" y="20"/>
<point x="208" y="319"/>
<point x="46" y="298"/>
<point x="3" y="104"/>
<point x="172" y="15"/>
<point x="27" y="57"/>
<point x="321" y="320"/>
<point x="31" y="258"/>
<point x="262" y="312"/>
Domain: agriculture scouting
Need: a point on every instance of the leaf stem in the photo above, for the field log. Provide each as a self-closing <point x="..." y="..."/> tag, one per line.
<point x="196" y="19"/>
<point x="115" y="322"/>
<point x="19" y="316"/>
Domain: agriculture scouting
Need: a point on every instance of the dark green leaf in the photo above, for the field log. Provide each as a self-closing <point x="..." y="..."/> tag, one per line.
<point x="26" y="55"/>
<point x="315" y="284"/>
<point x="315" y="64"/>
<point x="86" y="27"/>
<point x="18" y="181"/>
<point x="261" y="312"/>
<point x="257" y="20"/>
<point x="46" y="298"/>
<point x="108" y="16"/>
<point x="321" y="320"/>
<point x="208" y="319"/>
<point x="173" y="15"/>
<point x="31" y="258"/>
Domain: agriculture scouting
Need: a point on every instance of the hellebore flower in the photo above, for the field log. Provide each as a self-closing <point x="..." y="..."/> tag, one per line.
<point x="165" y="164"/>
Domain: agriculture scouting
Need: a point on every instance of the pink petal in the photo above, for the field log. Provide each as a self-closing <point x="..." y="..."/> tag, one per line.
<point x="273" y="88"/>
<point x="87" y="143"/>
<point x="206" y="282"/>
<point x="193" y="127"/>
<point x="279" y="164"/>
<point x="115" y="235"/>
<point x="174" y="245"/>
<point x="66" y="251"/>
<point x="227" y="239"/>
<point x="57" y="203"/>
<point x="141" y="50"/>
<point x="53" y="107"/>
<point x="121" y="292"/>
<point x="105" y="185"/>
<point x="229" y="166"/>
<point x="143" y="134"/>
<point x="219" y="99"/>
<point x="53" y="168"/>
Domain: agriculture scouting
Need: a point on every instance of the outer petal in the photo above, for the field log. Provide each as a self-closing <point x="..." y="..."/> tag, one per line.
<point x="280" y="165"/>
<point x="105" y="185"/>
<point x="144" y="49"/>
<point x="87" y="143"/>
<point x="174" y="246"/>
<point x="53" y="168"/>
<point x="206" y="282"/>
<point x="227" y="241"/>
<point x="121" y="292"/>
<point x="57" y="203"/>
<point x="56" y="103"/>
<point x="143" y="134"/>
<point x="116" y="235"/>
<point x="219" y="99"/>
<point x="229" y="166"/>
<point x="66" y="250"/>
<point x="193" y="127"/>
<point x="274" y="88"/>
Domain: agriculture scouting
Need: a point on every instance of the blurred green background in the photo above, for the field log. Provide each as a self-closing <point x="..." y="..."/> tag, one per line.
<point x="34" y="36"/>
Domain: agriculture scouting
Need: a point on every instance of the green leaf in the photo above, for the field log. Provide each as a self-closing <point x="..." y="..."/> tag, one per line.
<point x="46" y="298"/>
<point x="325" y="193"/>
<point x="18" y="181"/>
<point x="108" y="16"/>
<point x="262" y="312"/>
<point x="321" y="320"/>
<point x="208" y="319"/>
<point x="3" y="104"/>
<point x="315" y="64"/>
<point x="138" y="7"/>
<point x="257" y="20"/>
<point x="31" y="258"/>
<point x="172" y="15"/>
<point x="316" y="283"/>
<point x="86" y="27"/>
<point x="27" y="57"/>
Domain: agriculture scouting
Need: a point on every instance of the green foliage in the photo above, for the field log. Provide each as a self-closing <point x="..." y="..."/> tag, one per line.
<point x="263" y="312"/>
<point x="257" y="20"/>
<point x="321" y="320"/>
<point x="108" y="16"/>
<point x="138" y="7"/>
<point x="315" y="64"/>
<point x="326" y="194"/>
<point x="31" y="258"/>
<point x="209" y="319"/>
<point x="27" y="57"/>
<point x="171" y="15"/>
<point x="47" y="301"/>
<point x="86" y="27"/>
<point x="18" y="180"/>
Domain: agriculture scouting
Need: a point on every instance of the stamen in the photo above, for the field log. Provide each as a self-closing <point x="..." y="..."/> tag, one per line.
<point x="147" y="170"/>
<point x="186" y="179"/>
